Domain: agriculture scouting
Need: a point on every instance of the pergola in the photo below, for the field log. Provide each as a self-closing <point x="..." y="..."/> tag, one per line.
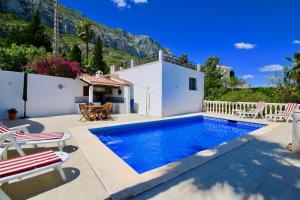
<point x="111" y="81"/>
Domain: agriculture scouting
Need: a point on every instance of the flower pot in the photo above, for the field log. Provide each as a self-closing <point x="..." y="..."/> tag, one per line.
<point x="12" y="115"/>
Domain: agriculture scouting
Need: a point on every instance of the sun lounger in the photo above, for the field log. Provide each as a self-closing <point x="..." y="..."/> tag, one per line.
<point x="259" y="108"/>
<point x="24" y="137"/>
<point x="23" y="166"/>
<point x="286" y="114"/>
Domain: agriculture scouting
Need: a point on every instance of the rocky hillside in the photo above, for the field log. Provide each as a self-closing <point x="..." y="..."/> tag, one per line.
<point x="136" y="45"/>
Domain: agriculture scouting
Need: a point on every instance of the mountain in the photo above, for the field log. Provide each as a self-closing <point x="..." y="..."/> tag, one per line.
<point x="118" y="39"/>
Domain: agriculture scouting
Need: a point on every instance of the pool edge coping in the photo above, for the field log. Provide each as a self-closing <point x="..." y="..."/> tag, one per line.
<point x="121" y="181"/>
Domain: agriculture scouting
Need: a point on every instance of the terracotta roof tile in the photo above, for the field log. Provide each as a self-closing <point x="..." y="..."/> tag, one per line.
<point x="93" y="80"/>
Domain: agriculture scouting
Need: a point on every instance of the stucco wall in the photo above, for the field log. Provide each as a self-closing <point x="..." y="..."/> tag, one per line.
<point x="147" y="87"/>
<point x="164" y="88"/>
<point x="177" y="98"/>
<point x="45" y="98"/>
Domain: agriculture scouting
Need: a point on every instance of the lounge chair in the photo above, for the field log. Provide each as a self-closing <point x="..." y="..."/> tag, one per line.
<point x="23" y="166"/>
<point x="286" y="114"/>
<point x="86" y="114"/>
<point x="24" y="137"/>
<point x="259" y="108"/>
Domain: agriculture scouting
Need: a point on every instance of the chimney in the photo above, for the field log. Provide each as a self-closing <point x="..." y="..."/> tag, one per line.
<point x="112" y="69"/>
<point x="160" y="55"/>
<point x="132" y="63"/>
<point x="99" y="74"/>
<point x="198" y="67"/>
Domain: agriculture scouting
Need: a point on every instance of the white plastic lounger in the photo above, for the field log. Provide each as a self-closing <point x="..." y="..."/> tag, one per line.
<point x="24" y="137"/>
<point x="286" y="114"/>
<point x="259" y="108"/>
<point x="23" y="166"/>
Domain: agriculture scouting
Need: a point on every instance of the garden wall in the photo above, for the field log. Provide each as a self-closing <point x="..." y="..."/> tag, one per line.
<point x="47" y="95"/>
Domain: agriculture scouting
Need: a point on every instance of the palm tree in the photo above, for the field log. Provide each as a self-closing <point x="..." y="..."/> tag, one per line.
<point x="85" y="33"/>
<point x="294" y="73"/>
<point x="184" y="60"/>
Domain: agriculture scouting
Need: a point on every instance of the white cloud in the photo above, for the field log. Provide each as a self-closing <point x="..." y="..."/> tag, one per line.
<point x="248" y="76"/>
<point x="139" y="1"/>
<point x="126" y="3"/>
<point x="296" y="42"/>
<point x="120" y="3"/>
<point x="271" y="68"/>
<point x="243" y="45"/>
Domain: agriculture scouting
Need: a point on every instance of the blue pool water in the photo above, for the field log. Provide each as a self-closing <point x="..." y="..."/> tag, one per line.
<point x="146" y="146"/>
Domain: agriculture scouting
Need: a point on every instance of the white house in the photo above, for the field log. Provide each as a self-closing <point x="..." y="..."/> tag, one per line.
<point x="164" y="88"/>
<point x="161" y="88"/>
<point x="226" y="71"/>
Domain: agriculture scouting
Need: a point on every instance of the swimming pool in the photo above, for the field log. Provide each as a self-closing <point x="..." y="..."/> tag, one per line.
<point x="149" y="145"/>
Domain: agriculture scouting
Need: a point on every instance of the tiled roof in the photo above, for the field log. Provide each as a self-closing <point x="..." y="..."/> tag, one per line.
<point x="108" y="81"/>
<point x="115" y="77"/>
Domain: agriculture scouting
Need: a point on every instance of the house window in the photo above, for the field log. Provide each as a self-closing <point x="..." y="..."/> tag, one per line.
<point x="193" y="84"/>
<point x="86" y="91"/>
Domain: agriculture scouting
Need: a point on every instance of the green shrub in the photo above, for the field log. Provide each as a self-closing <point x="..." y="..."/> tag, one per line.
<point x="287" y="94"/>
<point x="246" y="95"/>
<point x="15" y="57"/>
<point x="270" y="95"/>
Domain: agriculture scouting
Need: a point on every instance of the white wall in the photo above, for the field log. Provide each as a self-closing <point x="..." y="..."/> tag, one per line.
<point x="165" y="87"/>
<point x="147" y="87"/>
<point x="44" y="96"/>
<point x="177" y="98"/>
<point x="11" y="92"/>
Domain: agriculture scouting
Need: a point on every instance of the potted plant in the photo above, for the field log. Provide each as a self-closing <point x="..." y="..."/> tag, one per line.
<point x="12" y="114"/>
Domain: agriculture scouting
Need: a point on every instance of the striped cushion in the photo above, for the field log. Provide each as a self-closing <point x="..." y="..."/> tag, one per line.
<point x="3" y="128"/>
<point x="27" y="163"/>
<point x="290" y="108"/>
<point x="260" y="106"/>
<point x="21" y="137"/>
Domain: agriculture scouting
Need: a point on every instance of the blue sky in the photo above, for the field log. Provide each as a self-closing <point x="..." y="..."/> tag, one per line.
<point x="252" y="36"/>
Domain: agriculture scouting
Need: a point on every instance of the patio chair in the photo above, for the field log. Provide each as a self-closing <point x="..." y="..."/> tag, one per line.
<point x="259" y="108"/>
<point x="85" y="113"/>
<point x="24" y="137"/>
<point x="106" y="111"/>
<point x="286" y="114"/>
<point x="23" y="166"/>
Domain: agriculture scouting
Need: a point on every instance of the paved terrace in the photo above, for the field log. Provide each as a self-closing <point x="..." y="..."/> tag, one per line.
<point x="259" y="169"/>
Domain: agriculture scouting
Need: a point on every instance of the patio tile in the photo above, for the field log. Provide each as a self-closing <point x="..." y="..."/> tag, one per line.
<point x="272" y="189"/>
<point x="52" y="194"/>
<point x="218" y="191"/>
<point x="287" y="174"/>
<point x="259" y="169"/>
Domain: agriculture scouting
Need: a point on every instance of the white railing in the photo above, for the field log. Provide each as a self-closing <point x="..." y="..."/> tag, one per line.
<point x="227" y="107"/>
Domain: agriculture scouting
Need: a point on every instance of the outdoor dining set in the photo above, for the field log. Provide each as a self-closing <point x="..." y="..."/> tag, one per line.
<point x="93" y="112"/>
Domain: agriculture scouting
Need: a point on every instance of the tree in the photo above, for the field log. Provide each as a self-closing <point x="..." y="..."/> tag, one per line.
<point x="294" y="73"/>
<point x="232" y="82"/>
<point x="34" y="34"/>
<point x="16" y="36"/>
<point x="75" y="54"/>
<point x="97" y="61"/>
<point x="184" y="60"/>
<point x="85" y="33"/>
<point x="15" y="57"/>
<point x="288" y="83"/>
<point x="212" y="81"/>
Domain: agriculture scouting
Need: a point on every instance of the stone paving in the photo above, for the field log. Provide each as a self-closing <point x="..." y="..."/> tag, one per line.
<point x="259" y="169"/>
